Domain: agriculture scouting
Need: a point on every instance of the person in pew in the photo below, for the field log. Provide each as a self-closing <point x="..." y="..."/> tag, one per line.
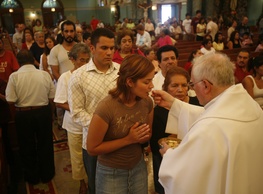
<point x="143" y="38"/>
<point x="260" y="44"/>
<point x="167" y="57"/>
<point x="207" y="47"/>
<point x="150" y="54"/>
<point x="200" y="29"/>
<point x="246" y="41"/>
<point x="218" y="44"/>
<point x="33" y="118"/>
<point x="222" y="149"/>
<point x="231" y="29"/>
<point x="241" y="70"/>
<point x="195" y="53"/>
<point x="125" y="41"/>
<point x="254" y="83"/>
<point x="175" y="83"/>
<point x="79" y="55"/>
<point x="234" y="41"/>
<point x="164" y="39"/>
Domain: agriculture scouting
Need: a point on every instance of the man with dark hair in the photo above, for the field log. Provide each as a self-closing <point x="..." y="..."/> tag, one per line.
<point x="241" y="70"/>
<point x="187" y="30"/>
<point x="58" y="57"/>
<point x="88" y="85"/>
<point x="31" y="90"/>
<point x="195" y="20"/>
<point x="86" y="38"/>
<point x="167" y="57"/>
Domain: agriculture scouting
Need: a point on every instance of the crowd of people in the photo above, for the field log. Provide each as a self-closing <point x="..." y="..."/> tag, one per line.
<point x="113" y="93"/>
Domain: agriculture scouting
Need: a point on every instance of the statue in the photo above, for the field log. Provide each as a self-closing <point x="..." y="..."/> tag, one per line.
<point x="117" y="11"/>
<point x="145" y="8"/>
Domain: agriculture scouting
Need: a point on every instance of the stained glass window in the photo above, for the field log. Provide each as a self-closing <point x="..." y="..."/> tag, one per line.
<point x="9" y="4"/>
<point x="51" y="4"/>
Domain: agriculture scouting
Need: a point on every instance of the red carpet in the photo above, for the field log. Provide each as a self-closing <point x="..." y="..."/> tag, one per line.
<point x="62" y="183"/>
<point x="48" y="188"/>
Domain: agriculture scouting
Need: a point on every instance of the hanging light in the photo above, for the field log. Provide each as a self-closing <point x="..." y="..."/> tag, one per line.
<point x="53" y="9"/>
<point x="9" y="4"/>
<point x="11" y="10"/>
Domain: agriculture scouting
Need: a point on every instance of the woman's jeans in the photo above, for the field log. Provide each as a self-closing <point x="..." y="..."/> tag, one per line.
<point x="119" y="181"/>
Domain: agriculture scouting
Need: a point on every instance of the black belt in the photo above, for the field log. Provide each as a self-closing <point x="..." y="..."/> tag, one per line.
<point x="28" y="108"/>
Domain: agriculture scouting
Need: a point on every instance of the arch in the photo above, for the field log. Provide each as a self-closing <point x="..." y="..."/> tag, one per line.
<point x="11" y="13"/>
<point x="52" y="11"/>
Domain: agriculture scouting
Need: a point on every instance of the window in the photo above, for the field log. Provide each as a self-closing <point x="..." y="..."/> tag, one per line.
<point x="9" y="4"/>
<point x="166" y="12"/>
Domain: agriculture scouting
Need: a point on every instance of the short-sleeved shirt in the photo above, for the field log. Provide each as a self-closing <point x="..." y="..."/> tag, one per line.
<point x="30" y="87"/>
<point x="62" y="97"/>
<point x="120" y="119"/>
<point x="194" y="23"/>
<point x="59" y="57"/>
<point x="187" y="25"/>
<point x="8" y="64"/>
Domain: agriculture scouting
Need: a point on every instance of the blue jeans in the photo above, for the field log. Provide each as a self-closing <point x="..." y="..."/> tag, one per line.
<point x="90" y="163"/>
<point x="119" y="181"/>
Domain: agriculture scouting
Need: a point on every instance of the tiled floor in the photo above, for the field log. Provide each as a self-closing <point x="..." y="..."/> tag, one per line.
<point x="64" y="184"/>
<point x="63" y="181"/>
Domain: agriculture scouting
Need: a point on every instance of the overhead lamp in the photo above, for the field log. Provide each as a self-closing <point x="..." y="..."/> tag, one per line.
<point x="11" y="10"/>
<point x="33" y="14"/>
<point x="53" y="9"/>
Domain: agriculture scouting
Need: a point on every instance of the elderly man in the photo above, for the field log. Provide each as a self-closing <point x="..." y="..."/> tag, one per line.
<point x="221" y="148"/>
<point x="31" y="90"/>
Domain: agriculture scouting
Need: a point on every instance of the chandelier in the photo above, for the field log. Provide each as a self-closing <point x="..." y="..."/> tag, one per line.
<point x="9" y="4"/>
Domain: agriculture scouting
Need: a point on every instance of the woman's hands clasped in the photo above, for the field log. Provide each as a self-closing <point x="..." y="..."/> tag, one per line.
<point x="139" y="133"/>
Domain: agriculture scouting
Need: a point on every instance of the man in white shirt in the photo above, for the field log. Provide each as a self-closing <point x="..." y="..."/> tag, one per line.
<point x="31" y="91"/>
<point x="18" y="36"/>
<point x="149" y="27"/>
<point x="88" y="85"/>
<point x="212" y="27"/>
<point x="167" y="57"/>
<point x="221" y="148"/>
<point x="187" y="28"/>
<point x="80" y="55"/>
<point x="143" y="38"/>
<point x="58" y="57"/>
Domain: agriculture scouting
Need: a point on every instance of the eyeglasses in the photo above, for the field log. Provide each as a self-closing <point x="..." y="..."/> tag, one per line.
<point x="192" y="84"/>
<point x="83" y="60"/>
